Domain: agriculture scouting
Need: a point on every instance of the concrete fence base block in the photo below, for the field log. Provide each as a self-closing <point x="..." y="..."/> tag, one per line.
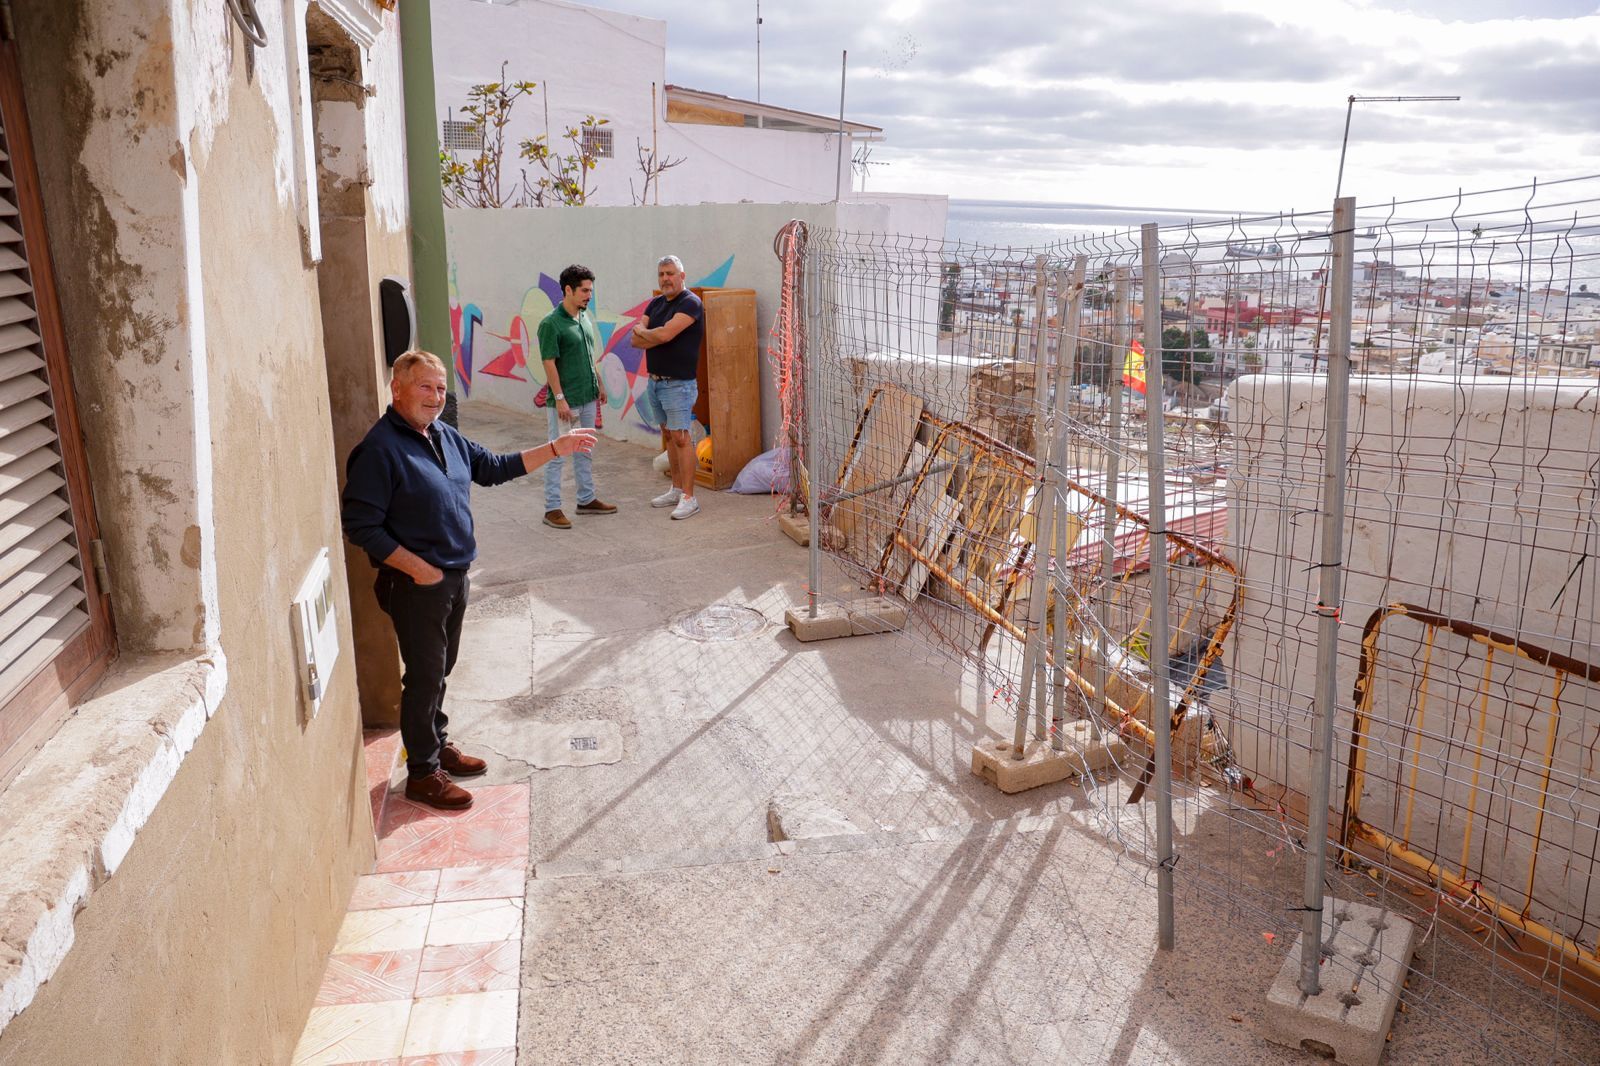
<point x="1085" y="750"/>
<point x="797" y="527"/>
<point x="854" y="619"/>
<point x="1366" y="952"/>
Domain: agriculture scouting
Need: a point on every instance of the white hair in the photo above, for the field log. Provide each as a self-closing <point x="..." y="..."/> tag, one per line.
<point x="674" y="260"/>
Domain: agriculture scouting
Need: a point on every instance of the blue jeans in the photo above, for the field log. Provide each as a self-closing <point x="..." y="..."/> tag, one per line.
<point x="674" y="400"/>
<point x="582" y="467"/>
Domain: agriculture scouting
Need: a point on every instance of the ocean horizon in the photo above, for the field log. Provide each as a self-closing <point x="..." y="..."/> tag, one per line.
<point x="1031" y="224"/>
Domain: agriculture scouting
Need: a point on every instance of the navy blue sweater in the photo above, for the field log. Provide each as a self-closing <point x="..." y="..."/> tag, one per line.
<point x="404" y="489"/>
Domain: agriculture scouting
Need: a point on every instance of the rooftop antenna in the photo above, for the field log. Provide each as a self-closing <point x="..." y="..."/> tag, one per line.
<point x="1350" y="106"/>
<point x="1338" y="187"/>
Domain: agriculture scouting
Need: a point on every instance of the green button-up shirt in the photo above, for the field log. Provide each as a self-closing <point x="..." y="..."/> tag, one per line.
<point x="571" y="343"/>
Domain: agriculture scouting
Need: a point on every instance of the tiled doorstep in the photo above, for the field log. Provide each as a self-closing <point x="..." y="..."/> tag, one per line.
<point x="492" y="832"/>
<point x="439" y="941"/>
<point x="460" y="959"/>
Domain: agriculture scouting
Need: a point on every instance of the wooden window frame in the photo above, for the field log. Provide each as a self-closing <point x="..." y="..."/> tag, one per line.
<point x="31" y="714"/>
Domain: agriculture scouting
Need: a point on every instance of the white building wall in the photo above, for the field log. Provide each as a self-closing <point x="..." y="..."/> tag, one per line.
<point x="587" y="61"/>
<point x="920" y="215"/>
<point x="727" y="164"/>
<point x="594" y="62"/>
<point x="1476" y="502"/>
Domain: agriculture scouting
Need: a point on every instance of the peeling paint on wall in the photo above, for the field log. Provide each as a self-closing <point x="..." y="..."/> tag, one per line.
<point x="386" y="131"/>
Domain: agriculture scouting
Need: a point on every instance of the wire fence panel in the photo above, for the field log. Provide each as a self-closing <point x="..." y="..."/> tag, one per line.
<point x="983" y="456"/>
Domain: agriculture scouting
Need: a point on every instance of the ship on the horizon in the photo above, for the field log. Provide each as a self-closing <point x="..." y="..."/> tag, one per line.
<point x="1254" y="251"/>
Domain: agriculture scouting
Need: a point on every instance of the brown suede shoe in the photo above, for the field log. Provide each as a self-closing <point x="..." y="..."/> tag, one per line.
<point x="454" y="763"/>
<point x="437" y="790"/>
<point x="557" y="520"/>
<point x="597" y="506"/>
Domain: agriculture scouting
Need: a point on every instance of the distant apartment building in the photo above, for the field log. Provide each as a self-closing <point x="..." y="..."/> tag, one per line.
<point x="1568" y="353"/>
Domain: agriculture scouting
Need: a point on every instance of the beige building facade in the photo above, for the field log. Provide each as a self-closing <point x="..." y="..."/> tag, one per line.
<point x="221" y="198"/>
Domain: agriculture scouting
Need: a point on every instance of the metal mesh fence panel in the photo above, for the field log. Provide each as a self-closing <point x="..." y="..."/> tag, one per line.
<point x="1099" y="469"/>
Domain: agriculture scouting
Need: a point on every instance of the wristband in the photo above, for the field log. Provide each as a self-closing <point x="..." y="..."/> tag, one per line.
<point x="561" y="396"/>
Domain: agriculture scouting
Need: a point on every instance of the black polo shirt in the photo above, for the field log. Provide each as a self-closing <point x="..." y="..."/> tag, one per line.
<point x="407" y="489"/>
<point x="679" y="358"/>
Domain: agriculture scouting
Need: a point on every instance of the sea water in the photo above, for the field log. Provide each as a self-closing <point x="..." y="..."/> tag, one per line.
<point x="1020" y="224"/>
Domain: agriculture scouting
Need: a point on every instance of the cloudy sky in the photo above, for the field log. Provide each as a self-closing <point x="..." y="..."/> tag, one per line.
<point x="1222" y="104"/>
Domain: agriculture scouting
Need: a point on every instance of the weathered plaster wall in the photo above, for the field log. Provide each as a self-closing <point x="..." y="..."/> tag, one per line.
<point x="207" y="944"/>
<point x="504" y="266"/>
<point x="363" y="240"/>
<point x="1477" y="501"/>
<point x="101" y="108"/>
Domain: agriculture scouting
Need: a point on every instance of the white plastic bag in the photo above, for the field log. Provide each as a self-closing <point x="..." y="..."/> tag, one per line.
<point x="767" y="472"/>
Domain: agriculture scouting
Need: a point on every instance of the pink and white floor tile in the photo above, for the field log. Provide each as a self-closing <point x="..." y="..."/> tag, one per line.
<point x="425" y="969"/>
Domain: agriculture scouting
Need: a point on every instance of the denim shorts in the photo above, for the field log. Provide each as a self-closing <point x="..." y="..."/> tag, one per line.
<point x="674" y="400"/>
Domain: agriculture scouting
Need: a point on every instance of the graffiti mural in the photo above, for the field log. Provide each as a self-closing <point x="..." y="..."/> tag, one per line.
<point x="480" y="348"/>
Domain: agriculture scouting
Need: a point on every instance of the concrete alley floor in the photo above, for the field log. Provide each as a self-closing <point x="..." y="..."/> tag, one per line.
<point x="952" y="924"/>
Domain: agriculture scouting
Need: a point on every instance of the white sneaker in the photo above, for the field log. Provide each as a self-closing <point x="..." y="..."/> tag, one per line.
<point x="669" y="498"/>
<point x="687" y="507"/>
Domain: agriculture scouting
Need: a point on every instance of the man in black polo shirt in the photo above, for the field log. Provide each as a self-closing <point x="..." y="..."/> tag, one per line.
<point x="675" y="324"/>
<point x="407" y="504"/>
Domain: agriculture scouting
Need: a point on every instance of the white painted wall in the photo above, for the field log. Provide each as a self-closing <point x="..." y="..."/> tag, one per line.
<point x="585" y="59"/>
<point x="918" y="215"/>
<point x="1475" y="500"/>
<point x="592" y="61"/>
<point x="727" y="164"/>
<point x="503" y="266"/>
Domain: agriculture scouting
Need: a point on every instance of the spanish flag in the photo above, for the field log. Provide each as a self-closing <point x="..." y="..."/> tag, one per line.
<point x="1133" y="368"/>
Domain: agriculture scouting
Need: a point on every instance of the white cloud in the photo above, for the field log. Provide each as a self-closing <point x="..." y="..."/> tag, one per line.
<point x="1237" y="103"/>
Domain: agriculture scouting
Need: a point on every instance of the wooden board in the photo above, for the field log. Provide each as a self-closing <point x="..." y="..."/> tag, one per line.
<point x="922" y="511"/>
<point x="730" y="383"/>
<point x="886" y="431"/>
<point x="946" y="513"/>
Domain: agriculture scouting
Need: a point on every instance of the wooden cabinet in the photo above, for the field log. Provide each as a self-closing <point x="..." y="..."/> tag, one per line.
<point x="730" y="383"/>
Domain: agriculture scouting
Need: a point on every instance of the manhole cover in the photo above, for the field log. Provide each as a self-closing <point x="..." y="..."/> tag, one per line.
<point x="585" y="743"/>
<point x="722" y="621"/>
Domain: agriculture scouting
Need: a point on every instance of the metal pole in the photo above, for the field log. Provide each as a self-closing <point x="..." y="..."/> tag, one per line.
<point x="429" y="271"/>
<point x="838" y="177"/>
<point x="1108" y="556"/>
<point x="1344" y="143"/>
<point x="761" y="122"/>
<point x="1160" y="638"/>
<point x="1043" y="511"/>
<point x="1069" y="297"/>
<point x="1338" y="186"/>
<point x="812" y="369"/>
<point x="1330" y="567"/>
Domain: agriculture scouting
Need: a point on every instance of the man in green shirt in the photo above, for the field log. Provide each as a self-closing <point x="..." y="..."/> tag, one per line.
<point x="569" y="345"/>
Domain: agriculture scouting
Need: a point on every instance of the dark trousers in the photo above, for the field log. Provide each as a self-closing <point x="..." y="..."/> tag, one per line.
<point x="427" y="623"/>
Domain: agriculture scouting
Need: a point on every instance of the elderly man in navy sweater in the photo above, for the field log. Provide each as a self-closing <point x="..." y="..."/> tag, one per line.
<point x="407" y="504"/>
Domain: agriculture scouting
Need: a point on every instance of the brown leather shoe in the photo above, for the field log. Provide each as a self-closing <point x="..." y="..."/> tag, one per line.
<point x="437" y="790"/>
<point x="454" y="763"/>
<point x="557" y="520"/>
<point x="597" y="506"/>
